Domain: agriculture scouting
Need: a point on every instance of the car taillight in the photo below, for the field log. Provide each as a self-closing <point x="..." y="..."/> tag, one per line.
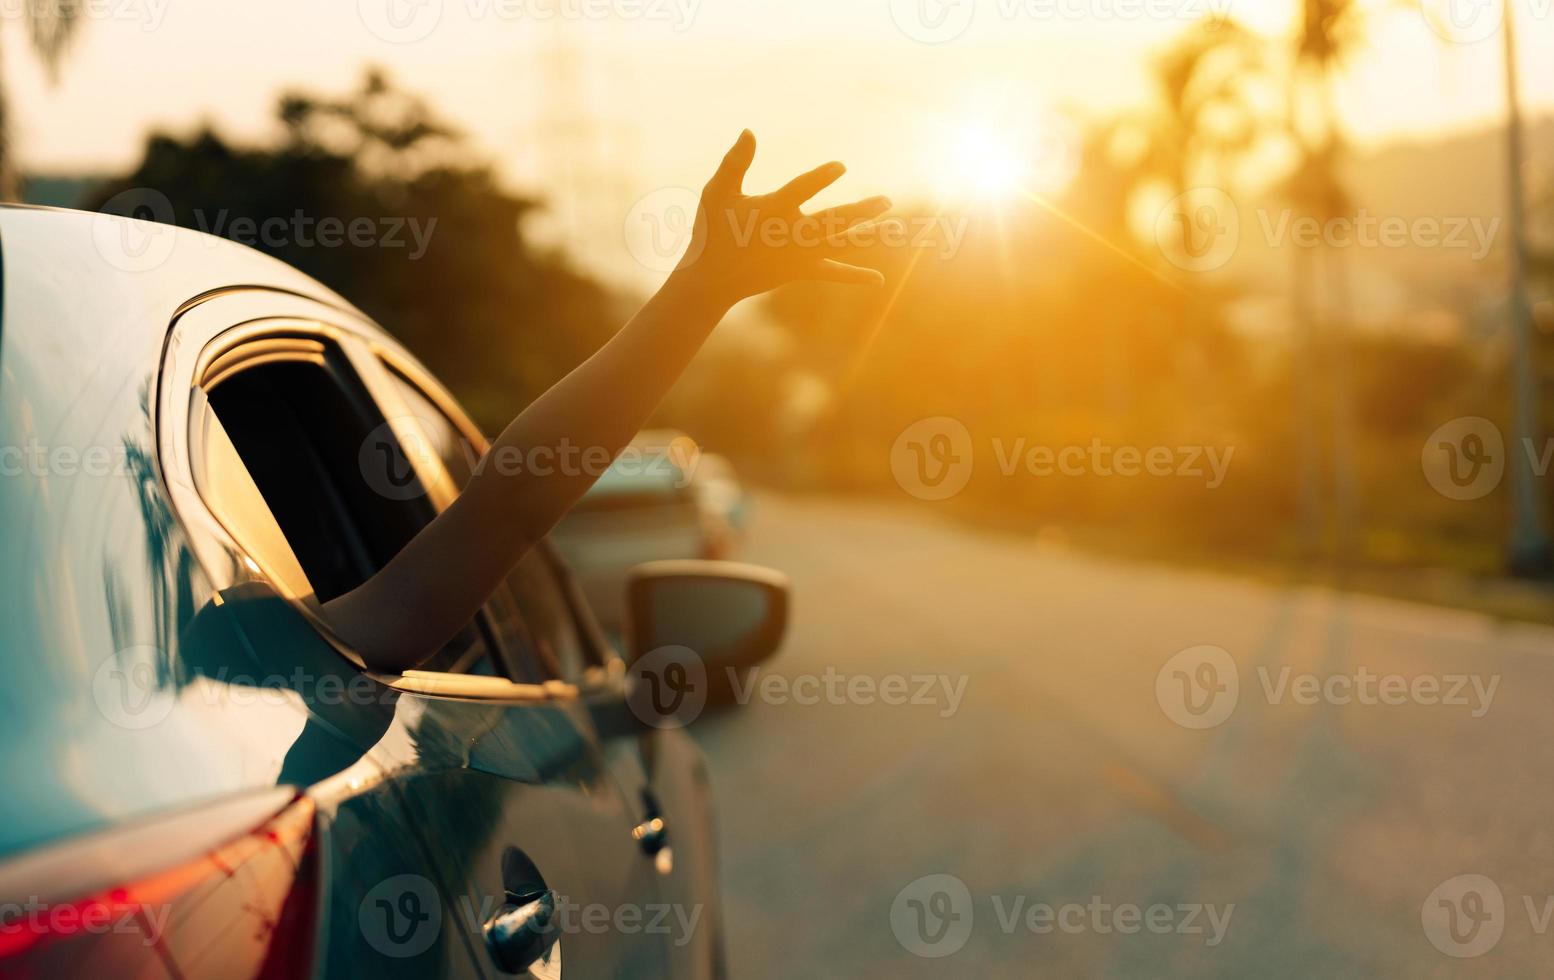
<point x="243" y="909"/>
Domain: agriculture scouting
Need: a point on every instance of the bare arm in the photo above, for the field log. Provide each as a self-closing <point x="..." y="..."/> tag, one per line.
<point x="742" y="245"/>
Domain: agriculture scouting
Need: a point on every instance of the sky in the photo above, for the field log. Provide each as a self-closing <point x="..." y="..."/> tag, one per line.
<point x="599" y="103"/>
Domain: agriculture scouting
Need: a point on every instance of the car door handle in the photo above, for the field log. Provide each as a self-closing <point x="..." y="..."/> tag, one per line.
<point x="651" y="834"/>
<point x="524" y="934"/>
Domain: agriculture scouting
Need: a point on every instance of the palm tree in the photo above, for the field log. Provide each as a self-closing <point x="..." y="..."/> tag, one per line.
<point x="50" y="26"/>
<point x="1327" y="34"/>
<point x="1330" y="32"/>
<point x="1200" y="116"/>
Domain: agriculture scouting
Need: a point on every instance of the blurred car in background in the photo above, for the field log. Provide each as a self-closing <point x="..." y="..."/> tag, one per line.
<point x="662" y="498"/>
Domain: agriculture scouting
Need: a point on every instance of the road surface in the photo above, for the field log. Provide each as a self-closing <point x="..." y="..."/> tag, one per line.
<point x="1354" y="787"/>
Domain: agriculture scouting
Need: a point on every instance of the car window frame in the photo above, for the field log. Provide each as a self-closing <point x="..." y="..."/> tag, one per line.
<point x="223" y="363"/>
<point x="218" y="321"/>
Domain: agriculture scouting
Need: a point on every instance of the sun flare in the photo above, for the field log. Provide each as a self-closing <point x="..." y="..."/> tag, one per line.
<point x="984" y="160"/>
<point x="1004" y="158"/>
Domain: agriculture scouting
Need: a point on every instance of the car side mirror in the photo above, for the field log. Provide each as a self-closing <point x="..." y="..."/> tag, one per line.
<point x="731" y="614"/>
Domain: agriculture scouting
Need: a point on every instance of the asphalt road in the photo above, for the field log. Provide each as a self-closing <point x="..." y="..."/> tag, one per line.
<point x="1317" y="830"/>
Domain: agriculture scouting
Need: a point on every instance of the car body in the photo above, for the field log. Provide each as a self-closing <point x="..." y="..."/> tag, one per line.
<point x="197" y="445"/>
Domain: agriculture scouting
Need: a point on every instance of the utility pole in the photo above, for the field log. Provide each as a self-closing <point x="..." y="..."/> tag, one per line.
<point x="1529" y="551"/>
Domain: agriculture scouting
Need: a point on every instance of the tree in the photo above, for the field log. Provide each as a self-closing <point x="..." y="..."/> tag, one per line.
<point x="1327" y="35"/>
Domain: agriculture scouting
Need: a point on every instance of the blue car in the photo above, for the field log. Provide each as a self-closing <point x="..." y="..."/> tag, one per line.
<point x="198" y="446"/>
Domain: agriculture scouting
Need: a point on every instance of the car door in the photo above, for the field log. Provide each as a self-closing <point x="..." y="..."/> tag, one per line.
<point x="488" y="760"/>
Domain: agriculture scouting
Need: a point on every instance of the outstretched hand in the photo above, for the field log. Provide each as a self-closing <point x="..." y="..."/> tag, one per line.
<point x="746" y="244"/>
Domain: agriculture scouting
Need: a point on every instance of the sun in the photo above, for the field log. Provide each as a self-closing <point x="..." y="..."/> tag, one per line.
<point x="984" y="160"/>
<point x="986" y="157"/>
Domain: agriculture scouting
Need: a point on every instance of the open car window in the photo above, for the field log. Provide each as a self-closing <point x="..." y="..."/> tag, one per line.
<point x="298" y="461"/>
